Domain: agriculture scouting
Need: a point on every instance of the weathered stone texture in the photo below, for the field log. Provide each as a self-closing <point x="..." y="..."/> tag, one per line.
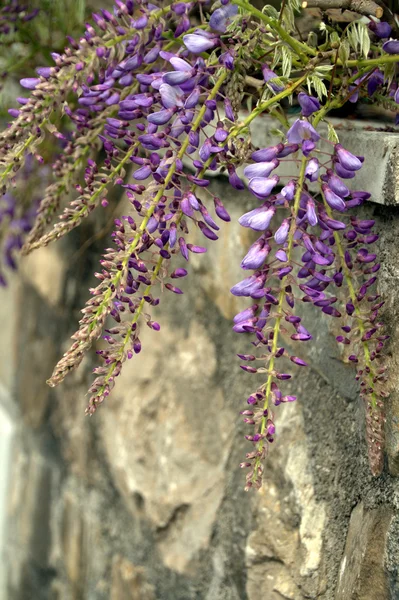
<point x="144" y="501"/>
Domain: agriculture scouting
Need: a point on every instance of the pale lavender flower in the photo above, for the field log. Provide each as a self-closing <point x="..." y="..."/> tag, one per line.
<point x="281" y="234"/>
<point x="258" y="219"/>
<point x="197" y="43"/>
<point x="262" y="187"/>
<point x="261" y="169"/>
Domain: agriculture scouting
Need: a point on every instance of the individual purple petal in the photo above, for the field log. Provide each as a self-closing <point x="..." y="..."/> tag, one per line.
<point x="171" y="97"/>
<point x="267" y="154"/>
<point x="234" y="180"/>
<point x="193" y="98"/>
<point x="311" y="212"/>
<point x="302" y="130"/>
<point x="29" y="83"/>
<point x="261" y="169"/>
<point x="308" y="104"/>
<point x="333" y="199"/>
<point x="381" y="30"/>
<point x="307" y="147"/>
<point x="220" y="210"/>
<point x="391" y="47"/>
<point x="333" y="223"/>
<point x="246" y="314"/>
<point x="287" y="150"/>
<point x="312" y="169"/>
<point x="183" y="248"/>
<point x="344" y="173"/>
<point x="262" y="187"/>
<point x="222" y="17"/>
<point x="281" y="255"/>
<point x="281" y="234"/>
<point x="349" y="161"/>
<point x="44" y="72"/>
<point x="268" y="75"/>
<point x="288" y="191"/>
<point x="176" y="77"/>
<point x="142" y="173"/>
<point x="298" y="361"/>
<point x="161" y="117"/>
<point x="248" y="285"/>
<point x="338" y="186"/>
<point x="256" y="255"/>
<point x="258" y="219"/>
<point x="197" y="43"/>
<point x="180" y="65"/>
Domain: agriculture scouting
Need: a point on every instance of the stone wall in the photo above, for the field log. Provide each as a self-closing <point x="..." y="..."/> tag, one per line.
<point x="145" y="500"/>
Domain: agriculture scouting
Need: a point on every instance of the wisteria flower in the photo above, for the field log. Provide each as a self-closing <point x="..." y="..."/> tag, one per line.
<point x="308" y="104"/>
<point x="302" y="130"/>
<point x="258" y="219"/>
<point x="261" y="187"/>
<point x="222" y="17"/>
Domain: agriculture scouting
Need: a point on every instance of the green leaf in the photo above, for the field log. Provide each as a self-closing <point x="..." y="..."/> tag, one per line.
<point x="286" y="65"/>
<point x="344" y="51"/>
<point x="332" y="134"/>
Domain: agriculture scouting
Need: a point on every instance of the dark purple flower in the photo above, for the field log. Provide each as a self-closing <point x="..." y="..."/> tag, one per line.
<point x="298" y="361"/>
<point x="268" y="75"/>
<point x="307" y="147"/>
<point x="267" y="154"/>
<point x="302" y="130"/>
<point x="381" y="30"/>
<point x="344" y="173"/>
<point x="391" y="47"/>
<point x="308" y="104"/>
<point x="220" y="210"/>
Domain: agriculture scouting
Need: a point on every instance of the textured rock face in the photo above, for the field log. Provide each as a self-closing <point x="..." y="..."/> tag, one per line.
<point x="144" y="501"/>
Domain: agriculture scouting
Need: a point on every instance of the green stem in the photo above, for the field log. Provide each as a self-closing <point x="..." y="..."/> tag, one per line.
<point x="263" y="106"/>
<point x="299" y="47"/>
<point x="20" y="152"/>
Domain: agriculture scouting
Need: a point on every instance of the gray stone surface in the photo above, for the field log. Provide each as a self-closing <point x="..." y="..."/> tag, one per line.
<point x="145" y="499"/>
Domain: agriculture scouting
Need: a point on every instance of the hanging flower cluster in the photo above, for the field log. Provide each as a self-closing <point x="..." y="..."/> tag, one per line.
<point x="14" y="13"/>
<point x="152" y="99"/>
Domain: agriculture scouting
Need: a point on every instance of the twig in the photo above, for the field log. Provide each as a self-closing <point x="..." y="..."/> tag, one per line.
<point x="363" y="7"/>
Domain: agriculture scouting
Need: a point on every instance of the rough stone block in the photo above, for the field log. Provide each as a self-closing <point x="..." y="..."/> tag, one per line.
<point x="363" y="575"/>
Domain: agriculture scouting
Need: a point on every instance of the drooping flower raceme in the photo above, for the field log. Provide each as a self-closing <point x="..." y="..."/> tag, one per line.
<point x="334" y="250"/>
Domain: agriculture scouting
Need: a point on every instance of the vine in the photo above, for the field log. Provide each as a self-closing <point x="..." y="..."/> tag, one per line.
<point x="162" y="91"/>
